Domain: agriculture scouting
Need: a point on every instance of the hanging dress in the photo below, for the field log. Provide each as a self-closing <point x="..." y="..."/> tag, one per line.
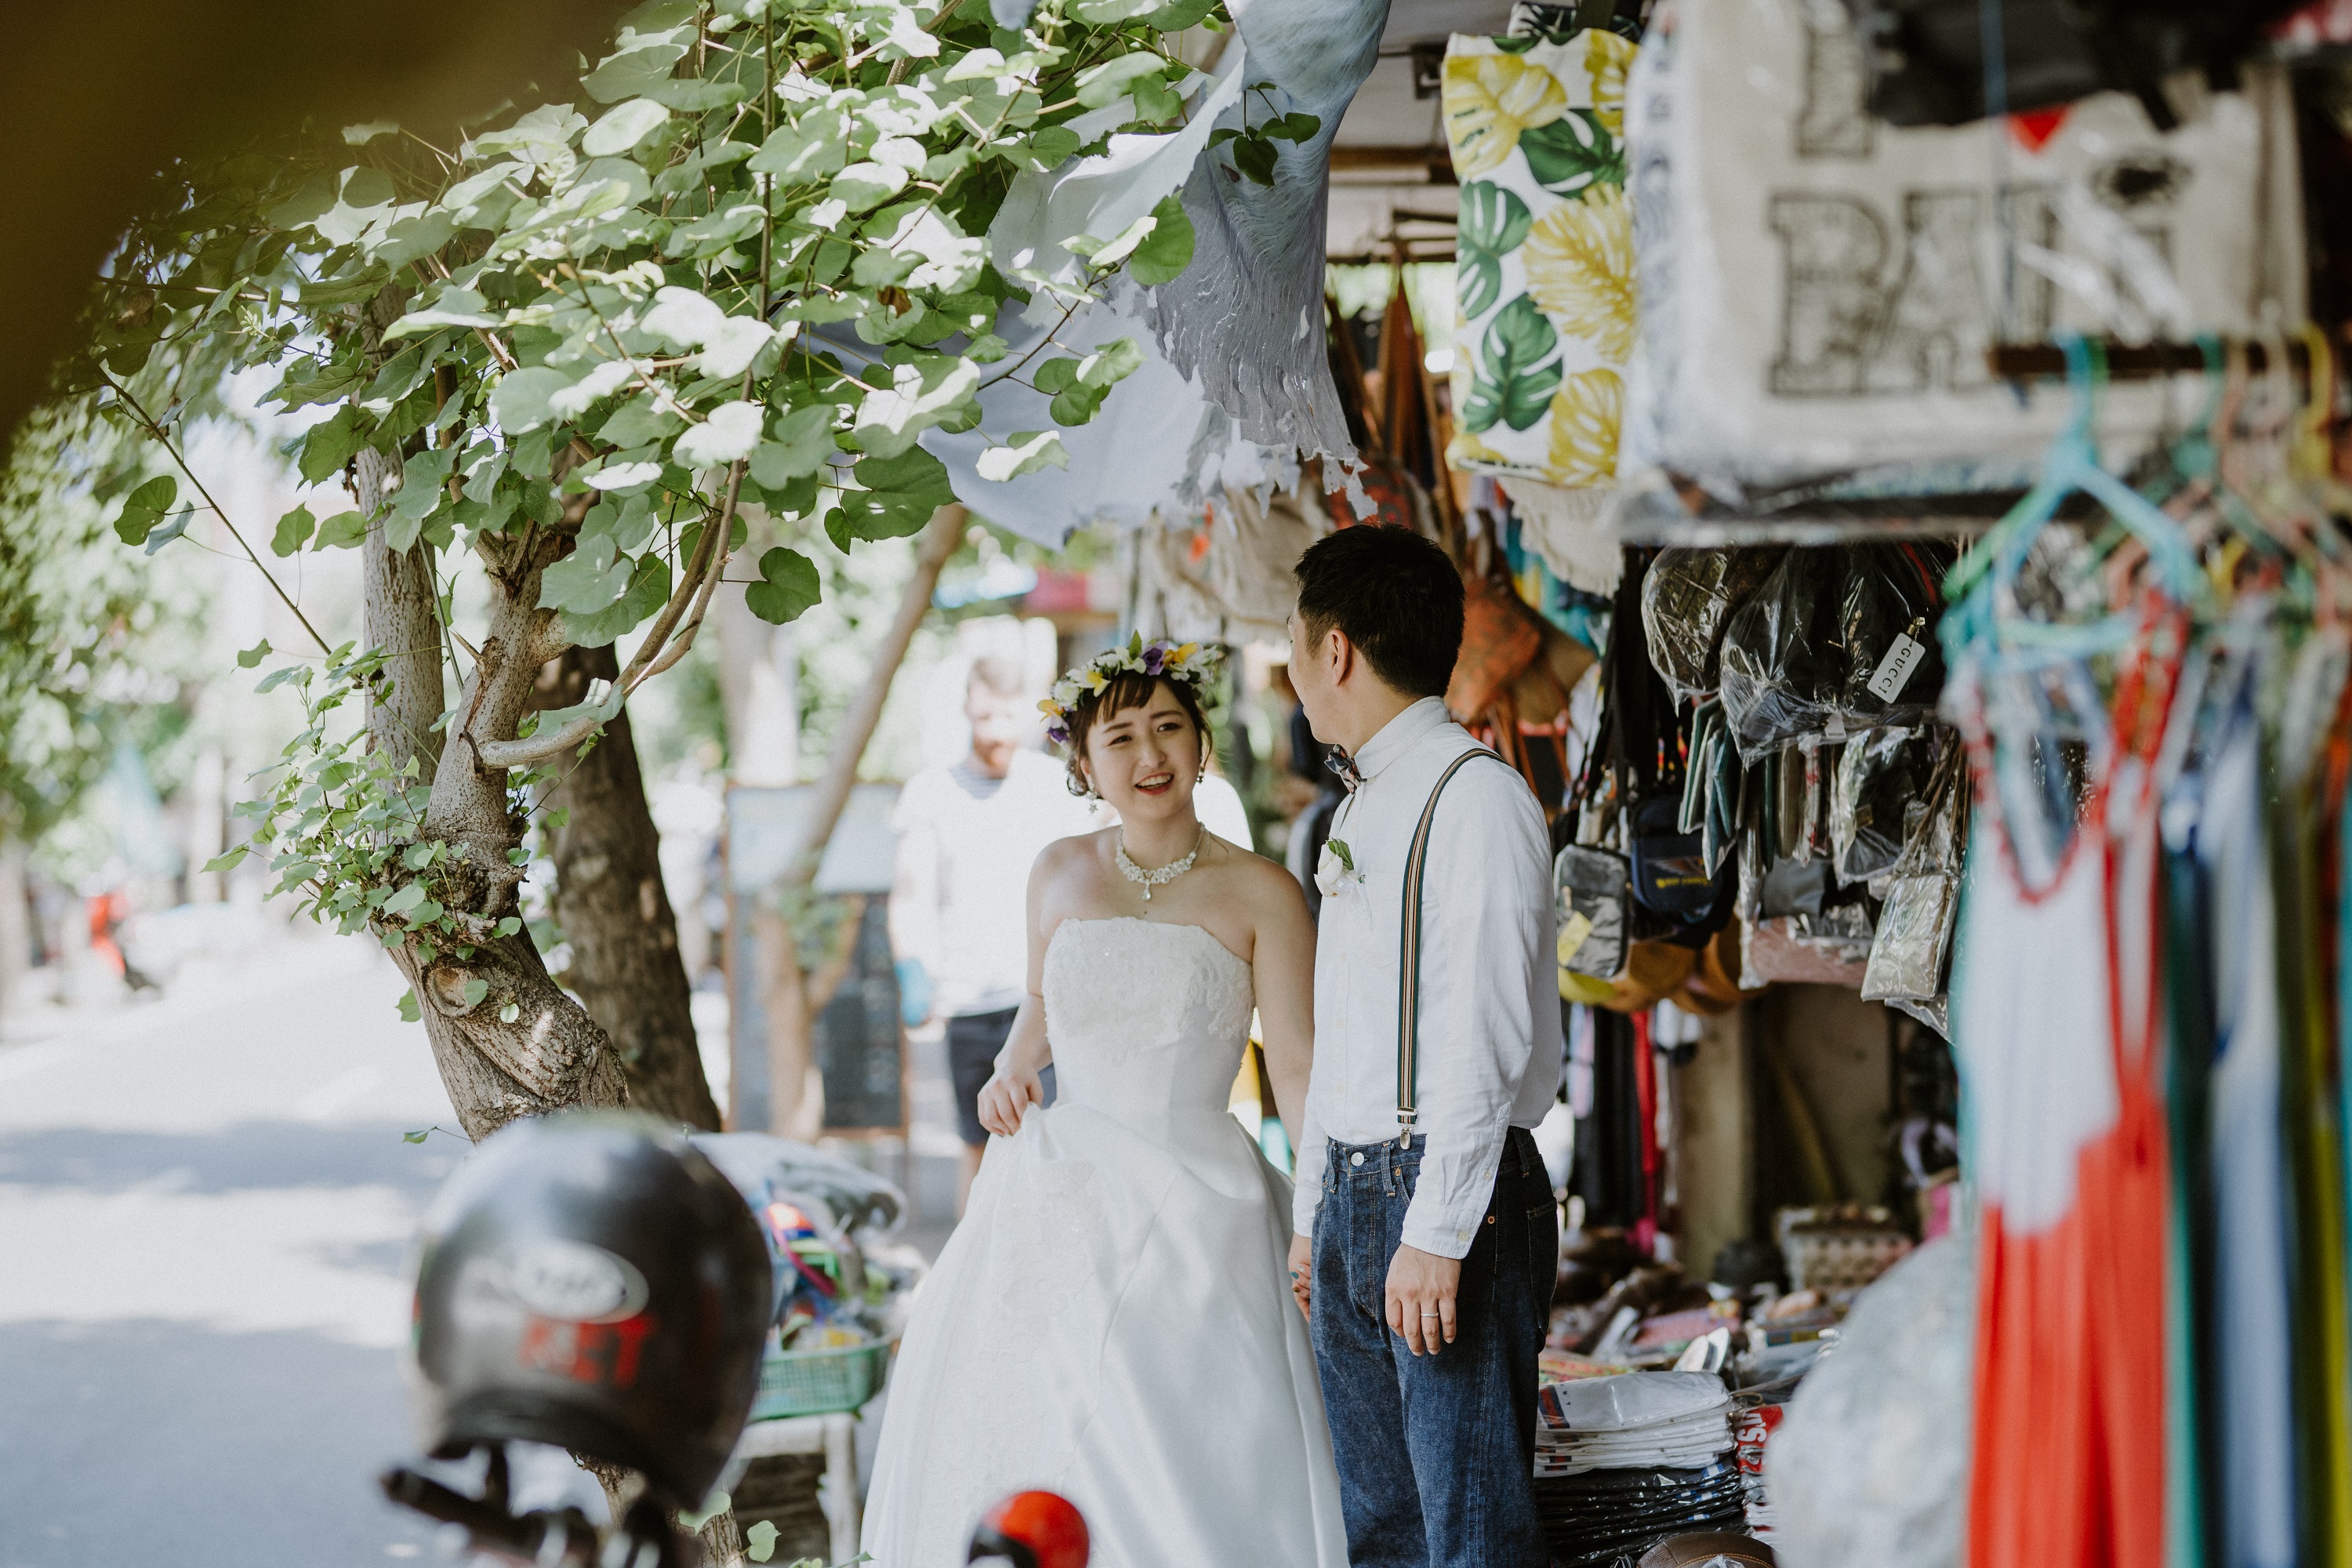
<point x="2055" y="1028"/>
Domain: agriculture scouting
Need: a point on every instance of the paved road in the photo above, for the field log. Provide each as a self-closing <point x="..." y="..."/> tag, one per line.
<point x="205" y="1211"/>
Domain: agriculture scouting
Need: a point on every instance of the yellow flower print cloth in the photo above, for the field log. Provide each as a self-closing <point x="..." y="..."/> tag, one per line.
<point x="1544" y="256"/>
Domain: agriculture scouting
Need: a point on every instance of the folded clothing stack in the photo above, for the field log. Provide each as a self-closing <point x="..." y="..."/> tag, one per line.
<point x="1636" y="1420"/>
<point x="1609" y="1518"/>
<point x="1623" y="1462"/>
<point x="1753" y="1428"/>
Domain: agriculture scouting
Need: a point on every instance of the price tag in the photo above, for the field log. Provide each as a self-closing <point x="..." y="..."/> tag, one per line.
<point x="1902" y="658"/>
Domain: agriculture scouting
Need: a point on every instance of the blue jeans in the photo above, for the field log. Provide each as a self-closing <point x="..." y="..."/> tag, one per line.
<point x="1435" y="1452"/>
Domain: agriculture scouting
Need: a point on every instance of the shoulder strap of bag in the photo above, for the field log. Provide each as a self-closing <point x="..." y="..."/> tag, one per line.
<point x="1409" y="965"/>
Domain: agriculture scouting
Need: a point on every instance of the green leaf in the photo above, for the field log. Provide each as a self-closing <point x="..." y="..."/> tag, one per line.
<point x="144" y="508"/>
<point x="341" y="532"/>
<point x="586" y="581"/>
<point x="901" y="495"/>
<point x="812" y="150"/>
<point x="519" y="404"/>
<point x="1515" y="374"/>
<point x="632" y="72"/>
<point x="1053" y="146"/>
<point x="452" y="306"/>
<point x="759" y="1540"/>
<point x="1295" y="126"/>
<point x="508" y="1011"/>
<point x="1108" y="82"/>
<point x="508" y="925"/>
<point x="863" y="186"/>
<point x="404" y="900"/>
<point x="1493" y="223"/>
<point x="1178" y="15"/>
<point x="788" y="585"/>
<point x="475" y="988"/>
<point x="648" y="590"/>
<point x="294" y="531"/>
<point x="1111" y="364"/>
<point x="623" y="129"/>
<point x="803" y="440"/>
<point x="1573" y="153"/>
<point x="1028" y="451"/>
<point x="1166" y="250"/>
<point x="330" y="444"/>
<point x="418" y="856"/>
<point x="228" y="859"/>
<point x="408" y="1010"/>
<point x="1055" y="375"/>
<point x="254" y="655"/>
<point x="1077" y="405"/>
<point x="731" y="432"/>
<point x="1253" y="156"/>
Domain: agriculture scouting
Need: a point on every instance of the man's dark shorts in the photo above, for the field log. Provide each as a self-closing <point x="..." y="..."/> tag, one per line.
<point x="974" y="1041"/>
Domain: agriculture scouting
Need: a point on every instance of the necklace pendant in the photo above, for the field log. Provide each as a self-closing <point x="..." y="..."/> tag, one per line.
<point x="1147" y="895"/>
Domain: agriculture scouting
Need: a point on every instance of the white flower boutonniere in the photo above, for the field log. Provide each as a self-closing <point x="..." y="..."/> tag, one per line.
<point x="1335" y="869"/>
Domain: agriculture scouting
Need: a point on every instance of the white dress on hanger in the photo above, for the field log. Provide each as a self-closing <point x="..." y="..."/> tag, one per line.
<point x="1112" y="1320"/>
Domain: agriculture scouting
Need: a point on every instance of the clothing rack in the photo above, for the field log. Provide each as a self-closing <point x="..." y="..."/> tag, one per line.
<point x="2022" y="362"/>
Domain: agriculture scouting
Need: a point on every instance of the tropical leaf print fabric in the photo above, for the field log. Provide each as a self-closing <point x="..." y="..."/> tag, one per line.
<point x="1544" y="254"/>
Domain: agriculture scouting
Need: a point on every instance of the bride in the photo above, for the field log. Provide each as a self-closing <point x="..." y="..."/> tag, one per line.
<point x="1111" y="1320"/>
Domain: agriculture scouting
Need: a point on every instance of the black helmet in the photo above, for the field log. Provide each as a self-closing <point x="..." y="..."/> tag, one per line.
<point x="588" y="1280"/>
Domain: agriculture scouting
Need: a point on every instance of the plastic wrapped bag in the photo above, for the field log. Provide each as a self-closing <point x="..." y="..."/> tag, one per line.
<point x="1591" y="890"/>
<point x="1838" y="640"/>
<point x="1915" y="929"/>
<point x="1870" y="1467"/>
<point x="1879" y="796"/>
<point x="1687" y="599"/>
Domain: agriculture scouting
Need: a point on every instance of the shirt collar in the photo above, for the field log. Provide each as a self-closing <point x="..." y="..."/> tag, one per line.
<point x="1399" y="733"/>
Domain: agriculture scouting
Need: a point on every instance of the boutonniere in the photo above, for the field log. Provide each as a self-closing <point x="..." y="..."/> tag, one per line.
<point x="1336" y="868"/>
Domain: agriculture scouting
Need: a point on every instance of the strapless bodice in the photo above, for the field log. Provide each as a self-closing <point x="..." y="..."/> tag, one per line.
<point x="1146" y="1019"/>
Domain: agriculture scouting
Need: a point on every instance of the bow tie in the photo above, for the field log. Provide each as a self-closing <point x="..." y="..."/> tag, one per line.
<point x="1342" y="763"/>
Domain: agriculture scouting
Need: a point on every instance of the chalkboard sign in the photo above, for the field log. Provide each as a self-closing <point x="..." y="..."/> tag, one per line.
<point x="858" y="1038"/>
<point x="860" y="1050"/>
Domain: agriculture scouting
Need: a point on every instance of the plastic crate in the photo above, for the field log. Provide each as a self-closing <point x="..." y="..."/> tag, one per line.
<point x="818" y="1382"/>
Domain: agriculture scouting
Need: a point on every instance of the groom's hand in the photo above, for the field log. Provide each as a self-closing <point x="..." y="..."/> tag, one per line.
<point x="1302" y="1274"/>
<point x="1422" y="1287"/>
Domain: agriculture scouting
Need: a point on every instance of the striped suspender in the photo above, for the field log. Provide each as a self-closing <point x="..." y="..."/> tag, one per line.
<point x="1409" y="964"/>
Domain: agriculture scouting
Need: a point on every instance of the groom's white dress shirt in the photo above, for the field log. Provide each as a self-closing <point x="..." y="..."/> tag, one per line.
<point x="1489" y="1007"/>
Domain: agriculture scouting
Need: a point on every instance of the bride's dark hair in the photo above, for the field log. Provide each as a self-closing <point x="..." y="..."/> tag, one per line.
<point x="1129" y="688"/>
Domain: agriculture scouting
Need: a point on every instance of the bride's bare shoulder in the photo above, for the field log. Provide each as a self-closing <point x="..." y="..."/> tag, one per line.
<point x="1066" y="857"/>
<point x="1267" y="885"/>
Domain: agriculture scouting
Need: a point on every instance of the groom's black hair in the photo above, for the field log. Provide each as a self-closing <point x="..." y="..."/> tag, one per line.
<point x="1397" y="596"/>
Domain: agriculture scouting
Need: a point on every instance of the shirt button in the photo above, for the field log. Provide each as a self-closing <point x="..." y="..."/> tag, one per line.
<point x="1355" y="1159"/>
<point x="1461" y="1235"/>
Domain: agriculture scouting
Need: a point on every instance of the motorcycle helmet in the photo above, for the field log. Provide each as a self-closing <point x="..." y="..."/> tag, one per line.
<point x="589" y="1279"/>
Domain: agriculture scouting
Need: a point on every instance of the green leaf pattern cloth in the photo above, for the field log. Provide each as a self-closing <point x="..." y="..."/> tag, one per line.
<point x="1544" y="256"/>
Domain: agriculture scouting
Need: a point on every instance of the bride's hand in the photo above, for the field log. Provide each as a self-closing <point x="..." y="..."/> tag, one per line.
<point x="1005" y="1096"/>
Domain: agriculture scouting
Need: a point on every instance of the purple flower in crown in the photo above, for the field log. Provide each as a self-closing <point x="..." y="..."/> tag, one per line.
<point x="1058" y="734"/>
<point x="1155" y="657"/>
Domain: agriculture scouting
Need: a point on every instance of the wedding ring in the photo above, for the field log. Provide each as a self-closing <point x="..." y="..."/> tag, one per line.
<point x="1432" y="1314"/>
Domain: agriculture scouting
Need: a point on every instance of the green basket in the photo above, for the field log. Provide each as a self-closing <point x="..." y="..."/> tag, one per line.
<point x="818" y="1382"/>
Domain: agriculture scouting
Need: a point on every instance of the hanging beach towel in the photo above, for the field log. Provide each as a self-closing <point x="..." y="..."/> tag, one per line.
<point x="1544" y="276"/>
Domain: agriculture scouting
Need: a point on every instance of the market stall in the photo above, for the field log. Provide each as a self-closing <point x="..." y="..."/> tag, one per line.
<point x="1892" y="452"/>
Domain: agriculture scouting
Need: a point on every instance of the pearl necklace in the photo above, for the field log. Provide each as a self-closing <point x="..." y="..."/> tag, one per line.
<point x="1158" y="876"/>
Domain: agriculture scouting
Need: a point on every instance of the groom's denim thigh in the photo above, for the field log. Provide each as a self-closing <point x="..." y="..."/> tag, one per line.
<point x="1435" y="1453"/>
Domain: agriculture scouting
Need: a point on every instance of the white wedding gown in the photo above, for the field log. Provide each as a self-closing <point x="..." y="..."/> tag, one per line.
<point x="1112" y="1320"/>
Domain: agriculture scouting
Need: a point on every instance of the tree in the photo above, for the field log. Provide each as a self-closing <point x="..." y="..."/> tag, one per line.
<point x="561" y="356"/>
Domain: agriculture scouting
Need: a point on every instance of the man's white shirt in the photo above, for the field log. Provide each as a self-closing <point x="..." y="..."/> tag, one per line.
<point x="1489" y="1041"/>
<point x="965" y="848"/>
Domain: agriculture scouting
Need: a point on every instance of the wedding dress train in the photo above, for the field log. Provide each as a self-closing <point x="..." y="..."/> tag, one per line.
<point x="1112" y="1320"/>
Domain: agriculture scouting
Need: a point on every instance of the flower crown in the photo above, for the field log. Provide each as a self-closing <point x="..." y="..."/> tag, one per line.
<point x="1189" y="662"/>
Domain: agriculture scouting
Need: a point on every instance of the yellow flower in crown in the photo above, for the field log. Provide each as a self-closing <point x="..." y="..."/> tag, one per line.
<point x="1487" y="100"/>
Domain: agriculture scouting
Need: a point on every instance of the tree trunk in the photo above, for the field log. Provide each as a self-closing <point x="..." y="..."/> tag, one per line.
<point x="794" y="995"/>
<point x="614" y="912"/>
<point x="16" y="936"/>
<point x="519" y="1047"/>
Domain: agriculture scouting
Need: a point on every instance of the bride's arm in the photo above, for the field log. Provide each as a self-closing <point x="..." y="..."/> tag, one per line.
<point x="1016" y="1085"/>
<point x="1283" y="968"/>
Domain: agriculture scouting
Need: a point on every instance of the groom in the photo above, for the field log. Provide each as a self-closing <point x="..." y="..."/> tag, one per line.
<point x="1424" y="1259"/>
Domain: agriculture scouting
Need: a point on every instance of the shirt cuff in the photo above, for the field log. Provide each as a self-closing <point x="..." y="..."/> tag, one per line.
<point x="1307" y="1184"/>
<point x="1444" y="1217"/>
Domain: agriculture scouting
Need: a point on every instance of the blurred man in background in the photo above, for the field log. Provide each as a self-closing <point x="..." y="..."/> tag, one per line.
<point x="959" y="908"/>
